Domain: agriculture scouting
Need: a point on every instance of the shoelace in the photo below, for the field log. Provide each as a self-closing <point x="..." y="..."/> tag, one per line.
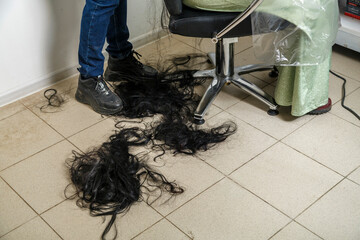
<point x="101" y="87"/>
<point x="137" y="58"/>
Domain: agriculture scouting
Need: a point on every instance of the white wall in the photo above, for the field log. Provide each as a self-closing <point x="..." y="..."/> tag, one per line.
<point x="39" y="40"/>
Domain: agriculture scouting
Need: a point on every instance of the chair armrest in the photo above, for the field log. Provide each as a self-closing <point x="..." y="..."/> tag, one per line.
<point x="250" y="9"/>
<point x="174" y="6"/>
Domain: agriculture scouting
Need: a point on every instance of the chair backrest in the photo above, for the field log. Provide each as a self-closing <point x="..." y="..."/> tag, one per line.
<point x="174" y="6"/>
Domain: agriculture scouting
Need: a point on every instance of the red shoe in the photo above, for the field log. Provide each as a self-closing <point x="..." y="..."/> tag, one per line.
<point x="322" y="109"/>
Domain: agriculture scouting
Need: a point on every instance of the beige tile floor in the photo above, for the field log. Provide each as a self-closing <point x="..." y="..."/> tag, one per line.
<point x="277" y="178"/>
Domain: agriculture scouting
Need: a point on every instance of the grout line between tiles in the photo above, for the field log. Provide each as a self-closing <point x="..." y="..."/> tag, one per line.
<point x="348" y="92"/>
<point x="266" y="132"/>
<point x="37" y="214"/>
<point x="319" y="198"/>
<point x="205" y="162"/>
<point x="45" y="122"/>
<point x="13" y="114"/>
<point x="1" y="236"/>
<point x="251" y="125"/>
<point x="248" y="190"/>
<point x="247" y="95"/>
<point x="162" y="218"/>
<point x="193" y="197"/>
<point x="308" y="229"/>
<point x="352" y="181"/>
<point x="19" y="195"/>
<point x="268" y="83"/>
<point x="313" y="159"/>
<point x="281" y="140"/>
<point x="245" y="163"/>
<point x="51" y="227"/>
<point x="215" y="114"/>
<point x="193" y="47"/>
<point x="196" y="47"/>
<point x="32" y="155"/>
<point x="346" y="76"/>
<point x="190" y="237"/>
<point x="347" y="176"/>
<point x="243" y="50"/>
<point x="165" y="216"/>
<point x="301" y="126"/>
<point x="344" y="119"/>
<point x="105" y="118"/>
<point x="292" y="220"/>
<point x="50" y="208"/>
<point x="63" y="92"/>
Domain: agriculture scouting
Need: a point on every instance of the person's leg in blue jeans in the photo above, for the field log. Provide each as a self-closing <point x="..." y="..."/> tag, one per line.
<point x="92" y="89"/>
<point x="121" y="59"/>
<point x="103" y="19"/>
<point x="118" y="33"/>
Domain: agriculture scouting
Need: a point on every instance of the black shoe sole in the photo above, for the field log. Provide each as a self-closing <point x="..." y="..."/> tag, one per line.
<point x="319" y="112"/>
<point x="103" y="111"/>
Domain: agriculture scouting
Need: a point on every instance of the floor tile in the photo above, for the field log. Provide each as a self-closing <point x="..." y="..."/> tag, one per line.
<point x="346" y="62"/>
<point x="62" y="87"/>
<point x="355" y="176"/>
<point x="295" y="231"/>
<point x="247" y="57"/>
<point x="227" y="211"/>
<point x="22" y="135"/>
<point x="231" y="94"/>
<point x="163" y="230"/>
<point x="156" y="53"/>
<point x="254" y="112"/>
<point x="335" y="87"/>
<point x="213" y="111"/>
<point x="27" y="177"/>
<point x="336" y="215"/>
<point x="14" y="211"/>
<point x="206" y="45"/>
<point x="286" y="179"/>
<point x="36" y="229"/>
<point x="71" y="117"/>
<point x="351" y="101"/>
<point x="190" y="173"/>
<point x="11" y="109"/>
<point x="237" y="149"/>
<point x="71" y="222"/>
<point x="94" y="136"/>
<point x="329" y="140"/>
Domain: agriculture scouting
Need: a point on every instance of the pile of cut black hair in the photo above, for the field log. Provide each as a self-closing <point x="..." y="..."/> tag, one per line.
<point x="109" y="179"/>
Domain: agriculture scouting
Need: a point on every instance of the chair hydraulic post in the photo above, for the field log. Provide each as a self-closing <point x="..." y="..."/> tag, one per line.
<point x="225" y="73"/>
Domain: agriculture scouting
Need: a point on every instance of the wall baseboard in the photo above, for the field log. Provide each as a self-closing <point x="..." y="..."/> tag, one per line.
<point x="58" y="75"/>
<point x="36" y="85"/>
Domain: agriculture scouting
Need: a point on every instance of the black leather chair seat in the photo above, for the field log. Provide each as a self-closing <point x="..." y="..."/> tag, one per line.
<point x="198" y="23"/>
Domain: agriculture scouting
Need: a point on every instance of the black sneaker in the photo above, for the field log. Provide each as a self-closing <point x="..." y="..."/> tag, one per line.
<point x="130" y="69"/>
<point x="94" y="92"/>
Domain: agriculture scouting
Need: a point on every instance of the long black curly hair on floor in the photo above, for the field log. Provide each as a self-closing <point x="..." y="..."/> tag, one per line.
<point x="109" y="179"/>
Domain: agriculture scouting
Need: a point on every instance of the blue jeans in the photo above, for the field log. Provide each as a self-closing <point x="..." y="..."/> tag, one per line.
<point x="102" y="19"/>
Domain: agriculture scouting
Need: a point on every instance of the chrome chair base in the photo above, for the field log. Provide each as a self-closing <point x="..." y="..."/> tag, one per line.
<point x="225" y="73"/>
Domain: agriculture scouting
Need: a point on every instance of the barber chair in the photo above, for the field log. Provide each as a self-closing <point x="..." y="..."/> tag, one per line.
<point x="224" y="28"/>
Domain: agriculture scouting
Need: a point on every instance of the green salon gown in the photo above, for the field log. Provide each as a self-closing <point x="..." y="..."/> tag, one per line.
<point x="304" y="87"/>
